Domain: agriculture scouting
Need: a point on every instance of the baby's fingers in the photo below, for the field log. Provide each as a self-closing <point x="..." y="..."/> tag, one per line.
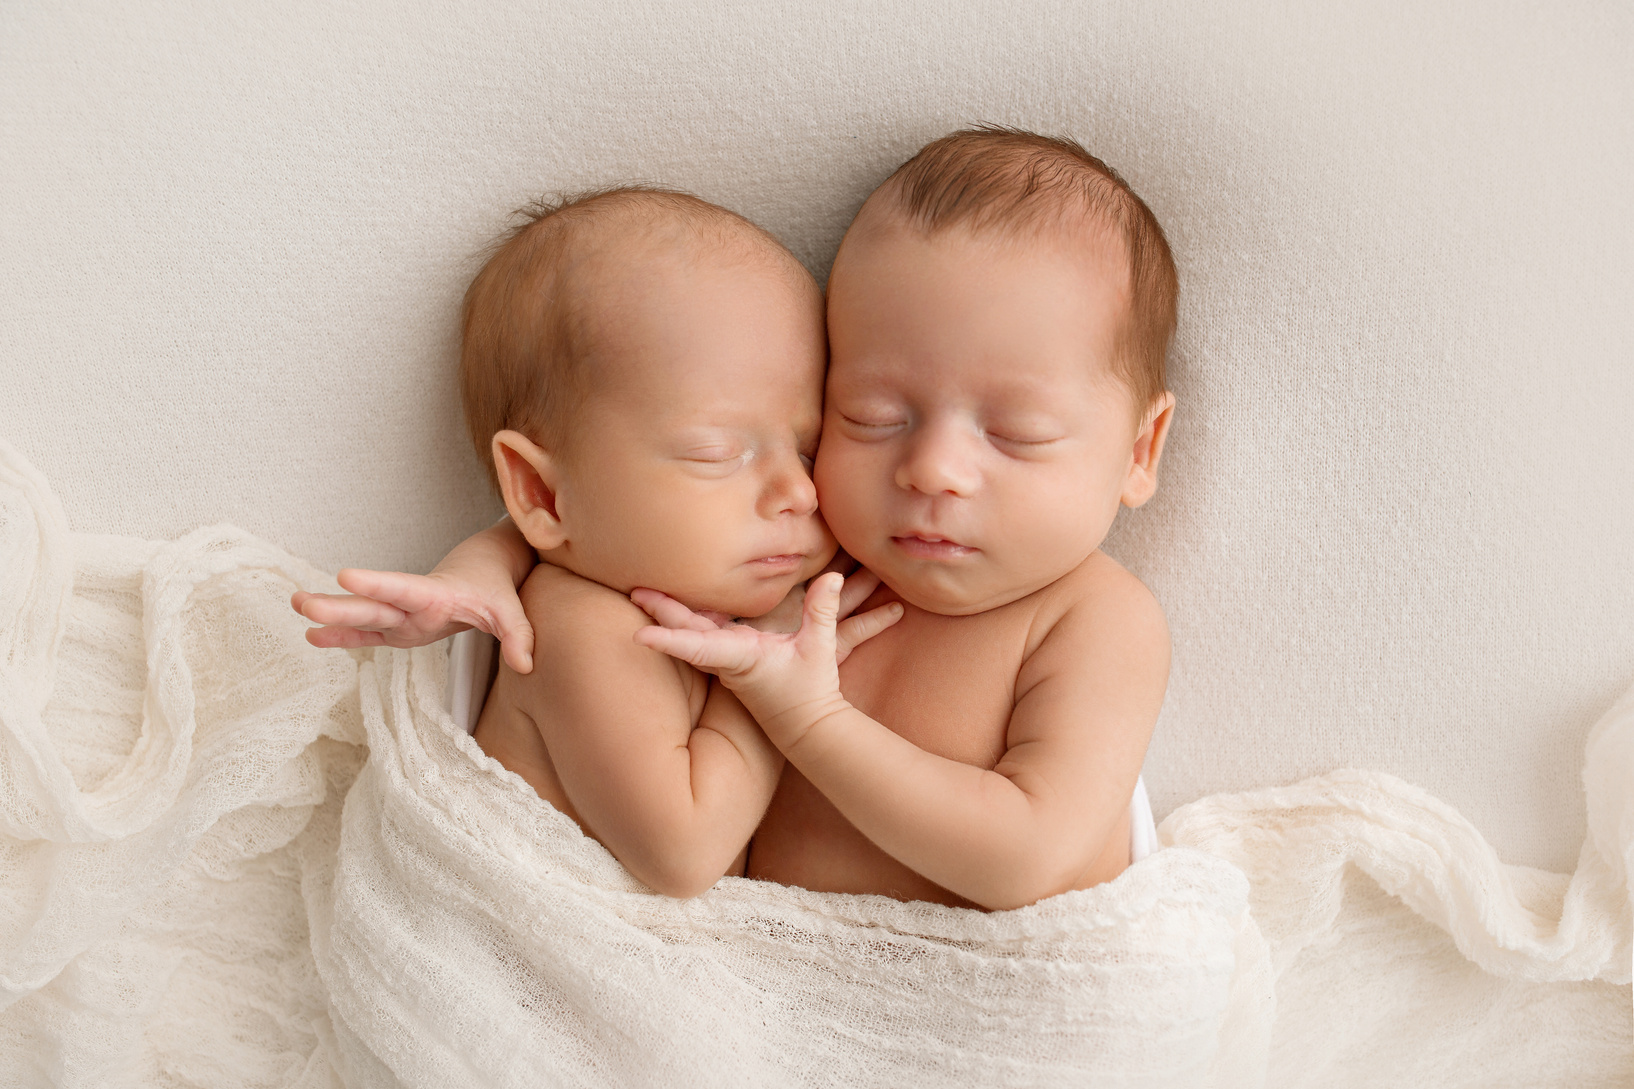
<point x="860" y="629"/>
<point x="822" y="604"/>
<point x="515" y="636"/>
<point x="819" y="613"/>
<point x="669" y="612"/>
<point x="858" y="586"/>
<point x="410" y="593"/>
<point x="715" y="650"/>
<point x="344" y="637"/>
<point x="346" y="611"/>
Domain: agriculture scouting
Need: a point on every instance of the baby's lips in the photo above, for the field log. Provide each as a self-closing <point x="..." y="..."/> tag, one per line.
<point x="932" y="546"/>
<point x="791" y="561"/>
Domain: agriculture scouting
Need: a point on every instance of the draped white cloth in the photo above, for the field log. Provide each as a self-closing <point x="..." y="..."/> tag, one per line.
<point x="202" y="881"/>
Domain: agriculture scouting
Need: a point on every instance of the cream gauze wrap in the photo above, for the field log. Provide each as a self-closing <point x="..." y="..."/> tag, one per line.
<point x="204" y="881"/>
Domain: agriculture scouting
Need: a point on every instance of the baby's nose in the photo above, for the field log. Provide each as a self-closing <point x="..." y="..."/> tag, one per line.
<point x="940" y="461"/>
<point x="791" y="491"/>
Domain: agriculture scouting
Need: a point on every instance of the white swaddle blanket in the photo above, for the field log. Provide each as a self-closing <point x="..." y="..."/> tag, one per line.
<point x="202" y="882"/>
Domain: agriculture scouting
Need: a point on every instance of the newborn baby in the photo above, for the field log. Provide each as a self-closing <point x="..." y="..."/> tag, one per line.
<point x="998" y="318"/>
<point x="999" y="314"/>
<point x="643" y="372"/>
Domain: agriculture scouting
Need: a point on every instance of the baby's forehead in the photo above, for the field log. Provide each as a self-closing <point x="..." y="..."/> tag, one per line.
<point x="669" y="321"/>
<point x="1018" y="320"/>
<point x="625" y="263"/>
<point x="1092" y="235"/>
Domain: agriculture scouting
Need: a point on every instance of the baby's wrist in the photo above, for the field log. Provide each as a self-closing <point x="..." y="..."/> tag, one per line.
<point x="471" y="575"/>
<point x="788" y="726"/>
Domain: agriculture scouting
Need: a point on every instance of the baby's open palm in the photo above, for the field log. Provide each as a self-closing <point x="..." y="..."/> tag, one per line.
<point x="397" y="609"/>
<point x="773" y="670"/>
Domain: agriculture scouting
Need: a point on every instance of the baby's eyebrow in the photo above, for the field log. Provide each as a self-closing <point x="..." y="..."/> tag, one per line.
<point x="707" y="442"/>
<point x="715" y="436"/>
<point x="1043" y="411"/>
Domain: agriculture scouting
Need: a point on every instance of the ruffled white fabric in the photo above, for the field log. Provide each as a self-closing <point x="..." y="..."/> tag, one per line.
<point x="184" y="899"/>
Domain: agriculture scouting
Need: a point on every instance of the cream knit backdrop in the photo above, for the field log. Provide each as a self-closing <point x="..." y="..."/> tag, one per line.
<point x="1395" y="529"/>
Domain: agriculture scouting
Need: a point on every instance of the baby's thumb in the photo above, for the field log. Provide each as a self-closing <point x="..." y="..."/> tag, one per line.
<point x="515" y="637"/>
<point x="820" y="612"/>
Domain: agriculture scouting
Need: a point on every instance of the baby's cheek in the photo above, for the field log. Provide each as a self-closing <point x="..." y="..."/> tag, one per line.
<point x="818" y="560"/>
<point x="845" y="476"/>
<point x="834" y="497"/>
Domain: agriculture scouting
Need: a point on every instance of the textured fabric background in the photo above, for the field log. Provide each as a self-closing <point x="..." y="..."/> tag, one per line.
<point x="1395" y="530"/>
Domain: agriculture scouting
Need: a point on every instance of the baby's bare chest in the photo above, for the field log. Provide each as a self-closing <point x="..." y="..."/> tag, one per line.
<point x="948" y="684"/>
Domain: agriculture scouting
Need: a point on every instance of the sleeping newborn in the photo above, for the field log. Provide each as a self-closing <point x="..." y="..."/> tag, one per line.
<point x="643" y="373"/>
<point x="998" y="318"/>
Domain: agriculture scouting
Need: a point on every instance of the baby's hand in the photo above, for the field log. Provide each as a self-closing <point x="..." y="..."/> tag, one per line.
<point x="395" y="609"/>
<point x="788" y="681"/>
<point x="786" y="617"/>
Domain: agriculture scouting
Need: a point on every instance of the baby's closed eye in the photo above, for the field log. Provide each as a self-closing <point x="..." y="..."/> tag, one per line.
<point x="713" y="460"/>
<point x="1024" y="431"/>
<point x="1023" y="438"/>
<point x="872" y="422"/>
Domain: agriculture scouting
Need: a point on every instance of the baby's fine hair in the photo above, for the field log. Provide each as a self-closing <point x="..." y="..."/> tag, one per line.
<point x="527" y="330"/>
<point x="1006" y="179"/>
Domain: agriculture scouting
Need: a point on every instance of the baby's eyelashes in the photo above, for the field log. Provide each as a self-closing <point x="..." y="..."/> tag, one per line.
<point x="1023" y="431"/>
<point x="874" y="425"/>
<point x="713" y="461"/>
<point x="1018" y="440"/>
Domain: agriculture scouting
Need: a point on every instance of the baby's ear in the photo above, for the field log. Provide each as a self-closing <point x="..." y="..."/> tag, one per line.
<point x="528" y="481"/>
<point x="1148" y="451"/>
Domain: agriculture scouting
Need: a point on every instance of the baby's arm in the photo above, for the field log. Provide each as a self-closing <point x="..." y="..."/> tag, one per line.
<point x="1086" y="701"/>
<point x="473" y="587"/>
<point x="675" y="804"/>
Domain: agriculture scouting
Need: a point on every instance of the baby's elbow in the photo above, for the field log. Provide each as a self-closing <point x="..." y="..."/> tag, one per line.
<point x="1027" y="886"/>
<point x="685" y="888"/>
<point x="678" y="878"/>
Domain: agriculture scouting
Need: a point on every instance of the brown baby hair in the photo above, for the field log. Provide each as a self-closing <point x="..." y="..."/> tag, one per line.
<point x="527" y="334"/>
<point x="989" y="177"/>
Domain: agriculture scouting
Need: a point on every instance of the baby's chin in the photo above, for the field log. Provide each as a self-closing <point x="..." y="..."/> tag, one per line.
<point x="951" y="596"/>
<point x="740" y="601"/>
<point x="749" y="597"/>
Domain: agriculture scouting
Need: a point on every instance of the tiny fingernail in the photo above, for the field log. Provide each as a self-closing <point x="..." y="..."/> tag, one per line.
<point x="896" y="609"/>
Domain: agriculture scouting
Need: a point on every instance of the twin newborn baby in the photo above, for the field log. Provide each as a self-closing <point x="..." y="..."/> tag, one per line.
<point x="964" y="718"/>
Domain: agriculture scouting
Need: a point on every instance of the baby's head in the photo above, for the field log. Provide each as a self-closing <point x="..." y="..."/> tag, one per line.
<point x="998" y="317"/>
<point x="643" y="373"/>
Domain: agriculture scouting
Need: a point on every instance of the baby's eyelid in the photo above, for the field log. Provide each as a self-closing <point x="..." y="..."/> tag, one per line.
<point x="1022" y="442"/>
<point x="862" y="423"/>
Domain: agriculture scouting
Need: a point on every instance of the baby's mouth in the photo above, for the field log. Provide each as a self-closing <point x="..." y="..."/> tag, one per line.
<point x="787" y="561"/>
<point x="930" y="547"/>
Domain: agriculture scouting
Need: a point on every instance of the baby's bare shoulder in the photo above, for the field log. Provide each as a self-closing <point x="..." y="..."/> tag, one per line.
<point x="1101" y="604"/>
<point x="585" y="650"/>
<point x="555" y="599"/>
<point x="584" y="630"/>
<point x="1101" y="582"/>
